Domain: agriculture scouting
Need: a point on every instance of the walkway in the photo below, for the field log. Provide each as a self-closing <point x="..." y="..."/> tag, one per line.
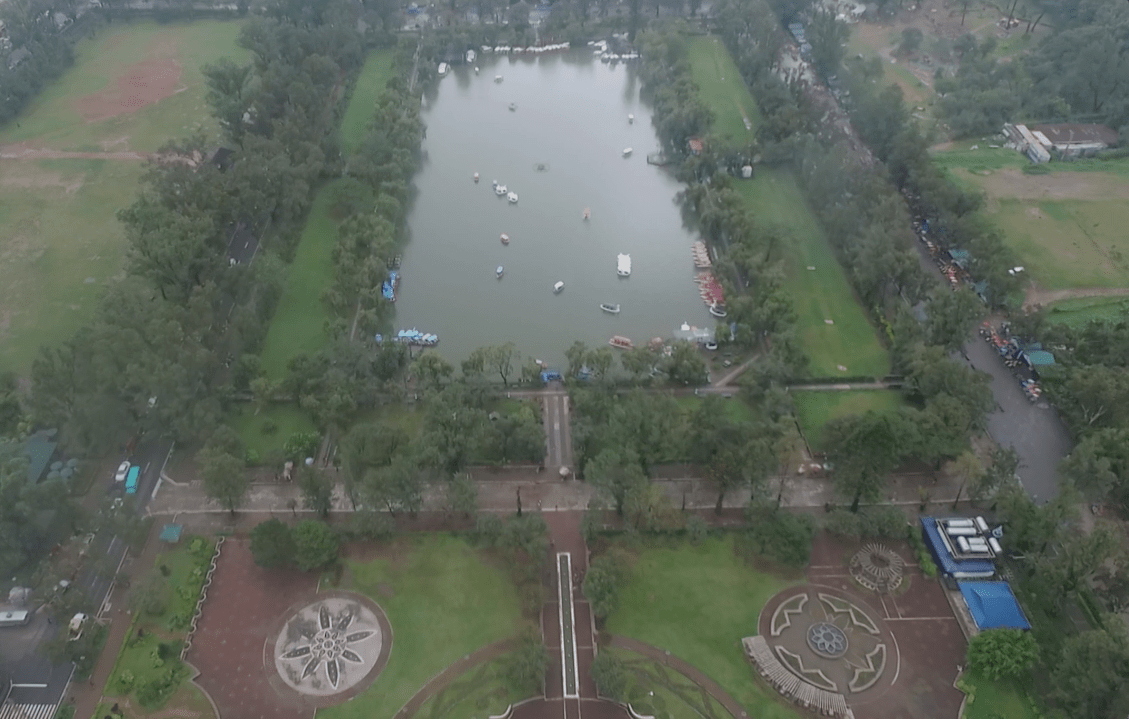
<point x="555" y="406"/>
<point x="688" y="670"/>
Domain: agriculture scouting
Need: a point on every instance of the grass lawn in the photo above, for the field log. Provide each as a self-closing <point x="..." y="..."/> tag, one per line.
<point x="444" y="600"/>
<point x="298" y="326"/>
<point x="658" y="691"/>
<point x="54" y="119"/>
<point x="816" y="409"/>
<point x="1080" y="311"/>
<point x="698" y="602"/>
<point x="821" y="294"/>
<point x="997" y="699"/>
<point x="734" y="408"/>
<point x="288" y="419"/>
<point x="479" y="693"/>
<point x="370" y="84"/>
<point x="722" y="88"/>
<point x="60" y="245"/>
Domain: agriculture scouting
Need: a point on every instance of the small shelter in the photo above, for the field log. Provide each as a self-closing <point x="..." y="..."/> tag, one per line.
<point x="993" y="605"/>
<point x="171" y="533"/>
<point x="696" y="146"/>
<point x="1074" y="140"/>
<point x="953" y="552"/>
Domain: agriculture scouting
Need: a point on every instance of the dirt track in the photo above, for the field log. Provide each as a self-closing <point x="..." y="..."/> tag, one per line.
<point x="1036" y="296"/>
<point x="22" y="152"/>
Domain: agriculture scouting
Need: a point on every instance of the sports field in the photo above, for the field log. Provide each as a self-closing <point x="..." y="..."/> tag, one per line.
<point x="72" y="160"/>
<point x="1066" y="224"/>
<point x="836" y="333"/>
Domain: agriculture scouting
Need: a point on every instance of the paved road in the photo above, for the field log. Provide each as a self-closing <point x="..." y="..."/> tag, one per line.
<point x="555" y="413"/>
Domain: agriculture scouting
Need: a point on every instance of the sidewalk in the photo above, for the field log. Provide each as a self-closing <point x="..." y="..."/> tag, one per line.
<point x="86" y="695"/>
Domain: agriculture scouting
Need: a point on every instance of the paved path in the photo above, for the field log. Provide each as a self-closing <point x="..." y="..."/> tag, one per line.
<point x="688" y="670"/>
<point x="555" y="412"/>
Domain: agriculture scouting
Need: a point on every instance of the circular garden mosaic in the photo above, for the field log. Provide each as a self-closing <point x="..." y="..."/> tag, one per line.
<point x="331" y="646"/>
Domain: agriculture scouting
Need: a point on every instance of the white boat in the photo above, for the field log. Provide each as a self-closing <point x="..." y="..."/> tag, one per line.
<point x="476" y="177"/>
<point x="630" y="119"/>
<point x="627" y="152"/>
<point x="623" y="265"/>
<point x="505" y="239"/>
<point x="558" y="288"/>
<point x="476" y="69"/>
<point x="444" y="68"/>
<point x="621" y="342"/>
<point x="512" y="197"/>
<point x="718" y="310"/>
<point x="513" y="107"/>
<point x="499" y="272"/>
<point x="497" y="78"/>
<point x="587" y="213"/>
<point x="470" y="55"/>
<point x="610" y="309"/>
<point x="500" y="190"/>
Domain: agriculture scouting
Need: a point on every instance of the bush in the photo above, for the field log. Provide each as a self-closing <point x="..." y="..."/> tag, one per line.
<point x="65" y="711"/>
<point x="867" y="522"/>
<point x="272" y="544"/>
<point x="1002" y="653"/>
<point x="610" y="676"/>
<point x="780" y="535"/>
<point x="924" y="559"/>
<point x="603" y="580"/>
<point x="696" y="529"/>
<point x="525" y="667"/>
<point x="315" y="545"/>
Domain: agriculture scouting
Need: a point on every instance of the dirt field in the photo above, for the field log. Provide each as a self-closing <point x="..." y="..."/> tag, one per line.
<point x="1014" y="184"/>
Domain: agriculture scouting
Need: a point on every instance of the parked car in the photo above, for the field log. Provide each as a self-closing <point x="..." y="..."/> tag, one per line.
<point x="123" y="470"/>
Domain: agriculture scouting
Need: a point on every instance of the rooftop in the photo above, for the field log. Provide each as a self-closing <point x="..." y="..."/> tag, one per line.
<point x="993" y="605"/>
<point x="1073" y="134"/>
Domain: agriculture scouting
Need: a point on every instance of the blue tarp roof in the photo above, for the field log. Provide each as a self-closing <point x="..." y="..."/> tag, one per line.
<point x="171" y="532"/>
<point x="993" y="605"/>
<point x="1039" y="358"/>
<point x="944" y="558"/>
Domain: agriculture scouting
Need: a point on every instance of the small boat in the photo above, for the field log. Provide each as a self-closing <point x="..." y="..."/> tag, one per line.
<point x="621" y="342"/>
<point x="476" y="69"/>
<point x="718" y="310"/>
<point x="497" y="78"/>
<point x="499" y="272"/>
<point x="512" y="197"/>
<point x="630" y="119"/>
<point x="513" y="107"/>
<point x="500" y="190"/>
<point x="587" y="214"/>
<point x="610" y="309"/>
<point x="623" y="265"/>
<point x="476" y="178"/>
<point x="505" y="239"/>
<point x="627" y="152"/>
<point x="444" y="68"/>
<point x="470" y="55"/>
<point x="558" y="288"/>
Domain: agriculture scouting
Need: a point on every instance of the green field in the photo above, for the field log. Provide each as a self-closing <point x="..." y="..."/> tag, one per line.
<point x="997" y="699"/>
<point x="55" y="119"/>
<point x="298" y="326"/>
<point x="287" y="419"/>
<point x="656" y="690"/>
<point x="814" y="409"/>
<point x="1079" y="312"/>
<point x="370" y="84"/>
<point x="697" y="602"/>
<point x="60" y="246"/>
<point x="443" y="599"/>
<point x="481" y="692"/>
<point x="721" y="87"/>
<point x="821" y="294"/>
<point x="775" y="199"/>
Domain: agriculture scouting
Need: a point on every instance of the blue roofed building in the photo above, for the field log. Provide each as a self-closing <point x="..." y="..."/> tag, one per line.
<point x="961" y="547"/>
<point x="993" y="605"/>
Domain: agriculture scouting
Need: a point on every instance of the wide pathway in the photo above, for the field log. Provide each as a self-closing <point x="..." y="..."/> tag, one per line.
<point x="555" y="412"/>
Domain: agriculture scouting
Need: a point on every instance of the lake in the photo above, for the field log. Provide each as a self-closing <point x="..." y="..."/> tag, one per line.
<point x="561" y="152"/>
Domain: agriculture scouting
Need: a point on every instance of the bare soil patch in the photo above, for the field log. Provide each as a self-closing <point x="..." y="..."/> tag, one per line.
<point x="1036" y="297"/>
<point x="140" y="84"/>
<point x="31" y="176"/>
<point x="1012" y="183"/>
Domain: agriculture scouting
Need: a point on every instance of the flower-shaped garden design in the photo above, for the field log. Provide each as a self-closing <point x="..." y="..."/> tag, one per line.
<point x="328" y="646"/>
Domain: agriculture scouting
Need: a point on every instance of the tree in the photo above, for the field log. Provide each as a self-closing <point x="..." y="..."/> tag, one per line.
<point x="525" y="667"/>
<point x="225" y="478"/>
<point x="501" y="360"/>
<point x="272" y="544"/>
<point x="950" y="317"/>
<point x="780" y="535"/>
<point x="686" y="365"/>
<point x="1088" y="678"/>
<point x="610" y="676"/>
<point x="863" y="450"/>
<point x="911" y="41"/>
<point x="1099" y="464"/>
<point x="968" y="468"/>
<point x="317" y="490"/>
<point x="576" y="355"/>
<point x="1002" y="653"/>
<point x="462" y="495"/>
<point x="827" y="37"/>
<point x="1078" y="559"/>
<point x="315" y="545"/>
<point x="602" y="582"/>
<point x="396" y="486"/>
<point x="432" y="370"/>
<point x="615" y="473"/>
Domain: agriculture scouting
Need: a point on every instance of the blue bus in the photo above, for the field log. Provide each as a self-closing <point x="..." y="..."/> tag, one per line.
<point x="131" y="479"/>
